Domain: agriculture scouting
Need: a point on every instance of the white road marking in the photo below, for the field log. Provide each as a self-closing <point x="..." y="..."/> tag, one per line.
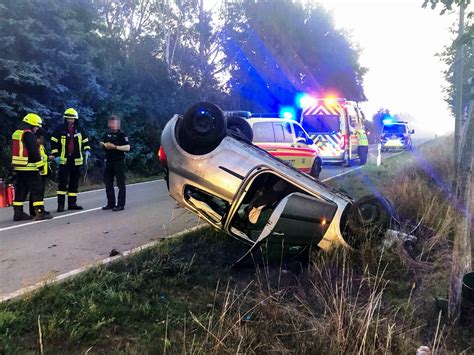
<point x="47" y="220"/>
<point x="343" y="173"/>
<point x="25" y="290"/>
<point x="86" y="192"/>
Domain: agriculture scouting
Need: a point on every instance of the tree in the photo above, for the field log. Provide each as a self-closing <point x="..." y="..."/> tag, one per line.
<point x="463" y="152"/>
<point x="45" y="62"/>
<point x="275" y="49"/>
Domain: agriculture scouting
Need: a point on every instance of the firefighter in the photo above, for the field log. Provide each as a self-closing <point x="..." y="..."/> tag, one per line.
<point x="26" y="161"/>
<point x="44" y="169"/>
<point x="70" y="147"/>
<point x="115" y="142"/>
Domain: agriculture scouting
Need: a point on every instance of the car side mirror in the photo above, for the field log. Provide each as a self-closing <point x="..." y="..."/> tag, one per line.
<point x="412" y="131"/>
<point x="309" y="141"/>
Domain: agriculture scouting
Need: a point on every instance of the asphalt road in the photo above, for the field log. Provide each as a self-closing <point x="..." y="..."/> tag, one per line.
<point x="33" y="251"/>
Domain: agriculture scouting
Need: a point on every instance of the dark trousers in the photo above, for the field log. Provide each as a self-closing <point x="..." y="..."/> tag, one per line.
<point x="115" y="169"/>
<point x="42" y="188"/>
<point x="68" y="181"/>
<point x="28" y="182"/>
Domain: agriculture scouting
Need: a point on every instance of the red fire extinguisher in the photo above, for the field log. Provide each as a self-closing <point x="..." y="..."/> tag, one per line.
<point x="3" y="195"/>
<point x="10" y="194"/>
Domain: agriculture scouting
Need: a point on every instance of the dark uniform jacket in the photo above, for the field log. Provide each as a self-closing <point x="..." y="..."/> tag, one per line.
<point x="59" y="144"/>
<point x="117" y="138"/>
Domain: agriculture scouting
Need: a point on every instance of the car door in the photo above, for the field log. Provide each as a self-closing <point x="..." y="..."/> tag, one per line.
<point x="305" y="152"/>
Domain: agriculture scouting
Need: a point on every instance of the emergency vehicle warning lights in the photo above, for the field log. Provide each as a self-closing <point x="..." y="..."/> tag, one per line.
<point x="305" y="100"/>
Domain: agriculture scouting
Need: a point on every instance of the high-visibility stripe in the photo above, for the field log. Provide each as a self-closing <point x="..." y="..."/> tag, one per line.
<point x="17" y="203"/>
<point x="85" y="140"/>
<point x="29" y="167"/>
<point x="44" y="161"/>
<point x="38" y="203"/>
<point x="79" y="141"/>
<point x="54" y="151"/>
<point x="62" y="158"/>
<point x="61" y="192"/>
<point x="73" y="194"/>
<point x="54" y="139"/>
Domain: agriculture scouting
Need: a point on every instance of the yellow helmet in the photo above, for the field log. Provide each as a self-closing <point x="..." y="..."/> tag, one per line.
<point x="33" y="120"/>
<point x="70" y="113"/>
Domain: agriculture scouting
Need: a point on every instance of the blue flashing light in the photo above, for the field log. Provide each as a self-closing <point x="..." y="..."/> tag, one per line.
<point x="387" y="121"/>
<point x="288" y="112"/>
<point x="304" y="100"/>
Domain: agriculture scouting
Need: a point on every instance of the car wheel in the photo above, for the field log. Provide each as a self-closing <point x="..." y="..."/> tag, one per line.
<point x="368" y="217"/>
<point x="201" y="129"/>
<point x="363" y="152"/>
<point x="240" y="128"/>
<point x="316" y="168"/>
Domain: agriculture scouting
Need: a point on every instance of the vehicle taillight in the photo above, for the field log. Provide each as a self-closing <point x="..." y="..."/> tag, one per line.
<point x="345" y="141"/>
<point x="162" y="157"/>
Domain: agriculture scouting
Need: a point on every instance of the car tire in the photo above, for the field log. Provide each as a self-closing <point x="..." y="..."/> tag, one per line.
<point x="201" y="129"/>
<point x="239" y="128"/>
<point x="363" y="153"/>
<point x="316" y="168"/>
<point x="368" y="217"/>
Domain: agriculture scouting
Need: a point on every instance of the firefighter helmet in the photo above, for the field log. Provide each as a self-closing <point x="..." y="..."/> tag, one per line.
<point x="33" y="119"/>
<point x="70" y="113"/>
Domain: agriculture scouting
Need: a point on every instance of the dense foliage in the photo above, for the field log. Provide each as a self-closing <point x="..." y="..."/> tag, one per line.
<point x="147" y="59"/>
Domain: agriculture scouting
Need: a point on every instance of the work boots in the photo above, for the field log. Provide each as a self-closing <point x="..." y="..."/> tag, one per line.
<point x="41" y="214"/>
<point x="19" y="215"/>
<point x="61" y="201"/>
<point x="71" y="203"/>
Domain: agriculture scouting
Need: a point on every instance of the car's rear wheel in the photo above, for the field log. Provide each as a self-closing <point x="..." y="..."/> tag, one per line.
<point x="316" y="168"/>
<point x="240" y="128"/>
<point x="201" y="129"/>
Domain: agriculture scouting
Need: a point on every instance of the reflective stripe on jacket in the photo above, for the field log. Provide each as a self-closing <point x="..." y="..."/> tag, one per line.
<point x="363" y="140"/>
<point x="20" y="158"/>
<point x="44" y="160"/>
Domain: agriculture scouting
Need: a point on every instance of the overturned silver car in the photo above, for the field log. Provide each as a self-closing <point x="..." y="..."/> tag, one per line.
<point x="213" y="170"/>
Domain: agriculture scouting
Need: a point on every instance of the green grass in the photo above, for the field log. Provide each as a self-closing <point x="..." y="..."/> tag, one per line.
<point x="182" y="297"/>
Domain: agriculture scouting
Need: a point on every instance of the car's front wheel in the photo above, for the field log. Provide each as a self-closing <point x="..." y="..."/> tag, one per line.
<point x="240" y="128"/>
<point x="368" y="217"/>
<point x="201" y="129"/>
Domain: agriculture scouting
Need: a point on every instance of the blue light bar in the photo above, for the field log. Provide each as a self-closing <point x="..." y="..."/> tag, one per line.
<point x="288" y="112"/>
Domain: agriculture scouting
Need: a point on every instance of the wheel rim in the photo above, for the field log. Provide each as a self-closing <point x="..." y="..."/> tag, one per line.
<point x="203" y="123"/>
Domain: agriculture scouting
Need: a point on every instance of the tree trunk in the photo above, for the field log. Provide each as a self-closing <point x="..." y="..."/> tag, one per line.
<point x="462" y="256"/>
<point x="459" y="71"/>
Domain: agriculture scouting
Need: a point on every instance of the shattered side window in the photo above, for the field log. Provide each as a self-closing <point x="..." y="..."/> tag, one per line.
<point x="263" y="132"/>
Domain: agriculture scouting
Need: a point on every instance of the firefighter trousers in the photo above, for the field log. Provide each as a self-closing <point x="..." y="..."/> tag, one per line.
<point x="28" y="182"/>
<point x="42" y="188"/>
<point x="115" y="169"/>
<point x="68" y="182"/>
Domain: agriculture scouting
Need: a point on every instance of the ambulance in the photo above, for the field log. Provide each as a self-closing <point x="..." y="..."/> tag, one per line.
<point x="288" y="141"/>
<point x="336" y="127"/>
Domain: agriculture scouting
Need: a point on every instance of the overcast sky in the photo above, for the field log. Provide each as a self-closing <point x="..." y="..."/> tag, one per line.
<point x="399" y="40"/>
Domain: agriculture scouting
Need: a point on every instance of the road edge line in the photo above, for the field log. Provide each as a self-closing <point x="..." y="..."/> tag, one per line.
<point x="73" y="273"/>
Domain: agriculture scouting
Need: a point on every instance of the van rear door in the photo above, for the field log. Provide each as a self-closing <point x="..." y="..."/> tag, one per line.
<point x="325" y="124"/>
